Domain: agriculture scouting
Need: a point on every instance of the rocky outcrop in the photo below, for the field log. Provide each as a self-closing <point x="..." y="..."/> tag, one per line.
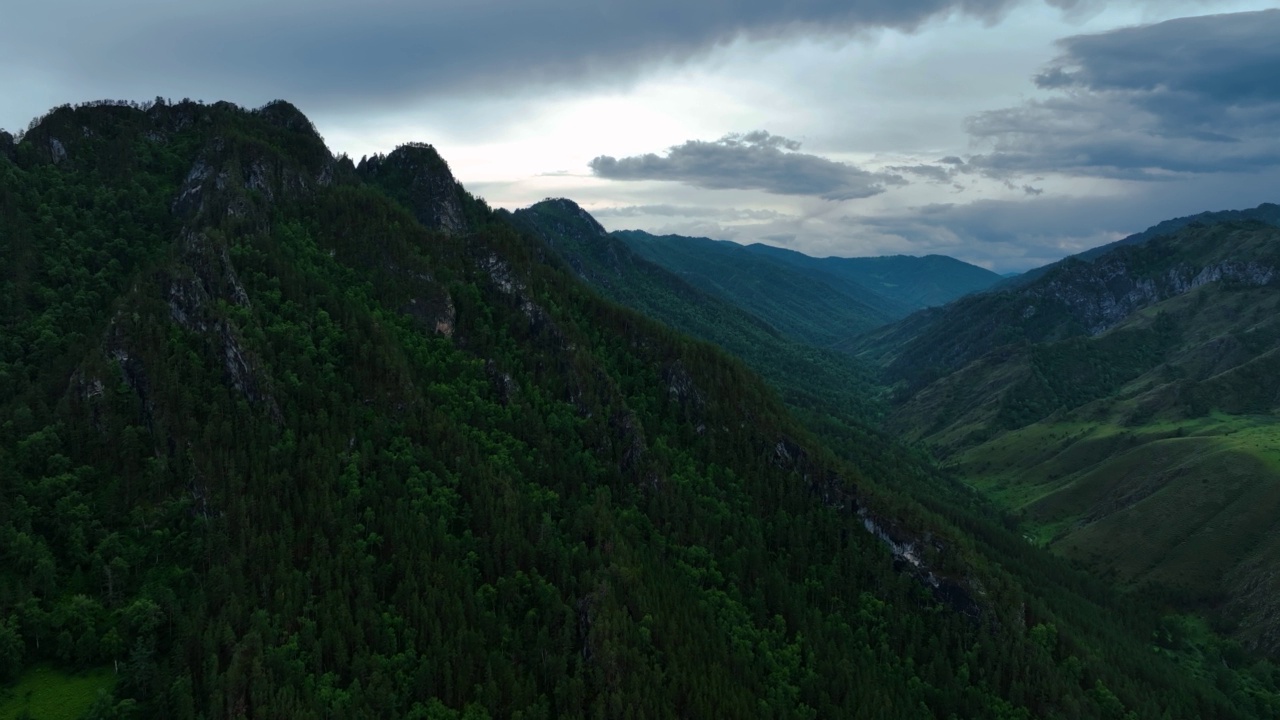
<point x="239" y="179"/>
<point x="416" y="176"/>
<point x="1102" y="294"/>
<point x="1075" y="299"/>
<point x="203" y="276"/>
<point x="506" y="282"/>
<point x="914" y="553"/>
<point x="434" y="311"/>
<point x="680" y="386"/>
<point x="568" y="218"/>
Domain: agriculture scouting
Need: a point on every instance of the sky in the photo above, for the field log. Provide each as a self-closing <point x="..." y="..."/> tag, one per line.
<point x="1007" y="133"/>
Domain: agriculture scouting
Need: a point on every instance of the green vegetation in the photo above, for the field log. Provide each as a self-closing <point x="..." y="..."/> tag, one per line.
<point x="1127" y="412"/>
<point x="825" y="312"/>
<point x="817" y="383"/>
<point x="1188" y="508"/>
<point x="620" y="275"/>
<point x="44" y="693"/>
<point x="822" y="302"/>
<point x="914" y="282"/>
<point x="279" y="441"/>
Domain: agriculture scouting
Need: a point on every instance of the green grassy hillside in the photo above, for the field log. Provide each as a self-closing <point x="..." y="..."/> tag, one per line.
<point x="1145" y="448"/>
<point x="45" y="693"/>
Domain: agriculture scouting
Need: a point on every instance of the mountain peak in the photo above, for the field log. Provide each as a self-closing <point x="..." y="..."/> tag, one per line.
<point x="285" y="115"/>
<point x="566" y="209"/>
<point x="418" y="155"/>
<point x="416" y="176"/>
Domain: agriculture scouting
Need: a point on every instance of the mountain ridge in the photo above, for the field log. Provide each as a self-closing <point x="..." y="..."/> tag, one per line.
<point x="916" y="281"/>
<point x="819" y="301"/>
<point x="1266" y="212"/>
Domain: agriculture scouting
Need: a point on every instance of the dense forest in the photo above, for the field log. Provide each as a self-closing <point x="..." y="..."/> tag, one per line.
<point x="286" y="436"/>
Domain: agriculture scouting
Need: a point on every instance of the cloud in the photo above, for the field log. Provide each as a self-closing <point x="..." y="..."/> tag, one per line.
<point x="753" y="161"/>
<point x="932" y="173"/>
<point x="1185" y="96"/>
<point x="1018" y="234"/>
<point x="318" y="51"/>
<point x="688" y="211"/>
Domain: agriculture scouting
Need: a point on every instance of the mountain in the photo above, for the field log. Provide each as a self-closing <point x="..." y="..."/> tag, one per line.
<point x="914" y="282"/>
<point x="818" y="301"/>
<point x="1127" y="407"/>
<point x="1268" y="213"/>
<point x="809" y="378"/>
<point x="825" y="312"/>
<point x="283" y="436"/>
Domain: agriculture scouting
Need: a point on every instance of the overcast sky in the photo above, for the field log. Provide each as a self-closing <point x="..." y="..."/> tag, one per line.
<point x="1003" y="132"/>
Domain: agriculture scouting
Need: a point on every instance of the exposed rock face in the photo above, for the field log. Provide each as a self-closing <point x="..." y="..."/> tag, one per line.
<point x="435" y="311"/>
<point x="1075" y="299"/>
<point x="681" y="387"/>
<point x="913" y="553"/>
<point x="230" y="178"/>
<point x="433" y="195"/>
<point x="629" y="431"/>
<point x="132" y="370"/>
<point x="1104" y="293"/>
<point x="203" y="276"/>
<point x="508" y="283"/>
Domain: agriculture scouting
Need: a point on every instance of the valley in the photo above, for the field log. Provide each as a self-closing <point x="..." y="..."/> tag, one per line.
<point x="1126" y="412"/>
<point x="1122" y="407"/>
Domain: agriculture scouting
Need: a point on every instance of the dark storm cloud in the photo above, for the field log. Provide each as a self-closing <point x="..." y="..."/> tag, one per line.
<point x="754" y="161"/>
<point x="330" y="50"/>
<point x="1192" y="95"/>
<point x="933" y="173"/>
<point x="688" y="211"/>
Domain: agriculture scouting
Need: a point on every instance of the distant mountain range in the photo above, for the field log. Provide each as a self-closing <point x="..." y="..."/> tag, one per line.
<point x="912" y="282"/>
<point x="821" y="301"/>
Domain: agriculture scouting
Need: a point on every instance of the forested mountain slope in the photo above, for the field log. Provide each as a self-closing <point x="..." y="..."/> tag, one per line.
<point x="808" y="377"/>
<point x="821" y="311"/>
<point x="1127" y="406"/>
<point x="284" y="437"/>
<point x="915" y="282"/>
